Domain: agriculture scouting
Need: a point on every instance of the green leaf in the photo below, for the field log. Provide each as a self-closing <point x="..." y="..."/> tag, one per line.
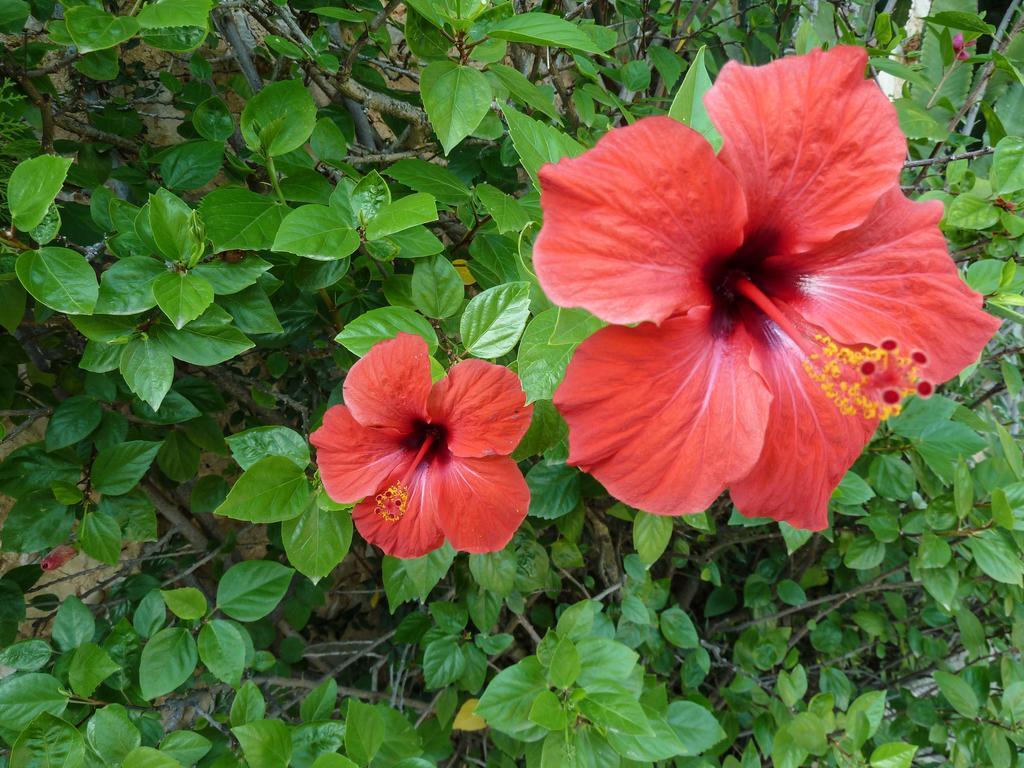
<point x="168" y="660"/>
<point x="99" y="535"/>
<point x="564" y="666"/>
<point x="678" y="628"/>
<point x="252" y="589"/>
<point x="271" y="490"/>
<point x="94" y="30"/>
<point x="265" y="743"/>
<point x="996" y="556"/>
<point x="212" y="120"/>
<point x="112" y="734"/>
<point x="32" y="186"/>
<point x="208" y="340"/>
<point x="538" y="143"/>
<point x="321" y="702"/>
<point x="250" y="446"/>
<point x="359" y="335"/>
<point x="958" y="693"/>
<point x="279" y="118"/>
<point x="192" y="164"/>
<point x="688" y="104"/>
<point x="148" y="370"/>
<point x="365" y="732"/>
<point x="317" y="232"/>
<point x="545" y="29"/>
<point x="554" y="490"/>
<point x="494" y="320"/>
<point x="436" y="180"/>
<point x="186" y="603"/>
<point x="59" y="278"/>
<point x="509" y="697"/>
<point x="521" y="88"/>
<point x="456" y="99"/>
<point x="1007" y="174"/>
<point x="443" y="663"/>
<point x="508" y="214"/>
<point x="177" y="230"/>
<point x="160" y="14"/>
<point x="894" y="754"/>
<point x="13" y="15"/>
<point x="147" y="757"/>
<point x="402" y="214"/>
<point x="74" y="624"/>
<point x="25" y="697"/>
<point x="72" y="421"/>
<point x="119" y="468"/>
<point x="918" y="123"/>
<point x="548" y="711"/>
<point x="90" y="666"/>
<point x="48" y="742"/>
<point x="222" y="650"/>
<point x="437" y="289"/>
<point x="183" y="296"/>
<point x="317" y="540"/>
<point x="236" y="218"/>
<point x="968" y="22"/>
<point x="617" y="711"/>
<point x="414" y="578"/>
<point x="694" y="726"/>
<point x="26" y="656"/>
<point x="651" y="535"/>
<point x="126" y="287"/>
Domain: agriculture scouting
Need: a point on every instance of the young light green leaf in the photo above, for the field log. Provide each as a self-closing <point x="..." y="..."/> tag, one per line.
<point x="456" y="99"/>
<point x="32" y="186"/>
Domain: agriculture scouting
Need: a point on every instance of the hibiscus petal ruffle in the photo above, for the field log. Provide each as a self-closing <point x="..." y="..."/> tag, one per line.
<point x="417" y="532"/>
<point x="483" y="407"/>
<point x="892" y="278"/>
<point x="813" y="144"/>
<point x="389" y="387"/>
<point x="808" y="445"/>
<point x="665" y="417"/>
<point x="354" y="460"/>
<point x="481" y="502"/>
<point x="629" y="224"/>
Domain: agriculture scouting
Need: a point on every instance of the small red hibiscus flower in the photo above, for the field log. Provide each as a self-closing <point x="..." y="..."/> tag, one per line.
<point x="430" y="461"/>
<point x="788" y="295"/>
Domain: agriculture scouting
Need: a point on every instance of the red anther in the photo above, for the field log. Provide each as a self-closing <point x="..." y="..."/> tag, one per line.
<point x="919" y="357"/>
<point x="925" y="388"/>
<point x="868" y="367"/>
<point x="891" y="397"/>
<point x="58" y="556"/>
<point x="890" y="345"/>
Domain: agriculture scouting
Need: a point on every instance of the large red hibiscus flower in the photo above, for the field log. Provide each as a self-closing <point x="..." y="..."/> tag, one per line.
<point x="788" y="294"/>
<point x="430" y="461"/>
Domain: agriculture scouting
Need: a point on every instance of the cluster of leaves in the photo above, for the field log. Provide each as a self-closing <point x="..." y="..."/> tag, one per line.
<point x="212" y="210"/>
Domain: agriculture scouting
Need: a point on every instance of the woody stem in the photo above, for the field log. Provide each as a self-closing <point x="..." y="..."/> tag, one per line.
<point x="750" y="291"/>
<point x="419" y="457"/>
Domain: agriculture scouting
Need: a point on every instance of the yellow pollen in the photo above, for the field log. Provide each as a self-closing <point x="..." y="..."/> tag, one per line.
<point x="392" y="503"/>
<point x="867" y="381"/>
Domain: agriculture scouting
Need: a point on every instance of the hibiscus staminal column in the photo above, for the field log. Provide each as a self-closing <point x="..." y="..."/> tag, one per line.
<point x="394" y="500"/>
<point x="864" y="381"/>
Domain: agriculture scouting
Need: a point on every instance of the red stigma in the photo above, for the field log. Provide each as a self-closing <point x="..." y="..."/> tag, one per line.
<point x="868" y="368"/>
<point x="889" y="345"/>
<point x="919" y="357"/>
<point x="925" y="388"/>
<point x="891" y="397"/>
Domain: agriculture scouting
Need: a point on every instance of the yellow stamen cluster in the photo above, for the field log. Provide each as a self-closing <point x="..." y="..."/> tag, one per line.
<point x="867" y="381"/>
<point x="392" y="503"/>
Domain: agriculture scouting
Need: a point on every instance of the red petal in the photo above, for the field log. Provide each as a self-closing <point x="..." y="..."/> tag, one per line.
<point x="812" y="142"/>
<point x="892" y="278"/>
<point x="808" y="445"/>
<point x="665" y="417"/>
<point x="629" y="224"/>
<point x="354" y="460"/>
<point x="483" y="407"/>
<point x="390" y="385"/>
<point x="482" y="502"/>
<point x="416" y="533"/>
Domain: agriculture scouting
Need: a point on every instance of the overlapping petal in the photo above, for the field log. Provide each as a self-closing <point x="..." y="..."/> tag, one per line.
<point x="665" y="417"/>
<point x="481" y="502"/>
<point x="389" y="387"/>
<point x="354" y="460"/>
<point x="417" y="532"/>
<point x="483" y="408"/>
<point x="808" y="445"/>
<point x="813" y="144"/>
<point x="629" y="224"/>
<point x="892" y="277"/>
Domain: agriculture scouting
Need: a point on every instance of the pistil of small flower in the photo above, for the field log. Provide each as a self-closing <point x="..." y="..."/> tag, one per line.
<point x="867" y="381"/>
<point x="392" y="503"/>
